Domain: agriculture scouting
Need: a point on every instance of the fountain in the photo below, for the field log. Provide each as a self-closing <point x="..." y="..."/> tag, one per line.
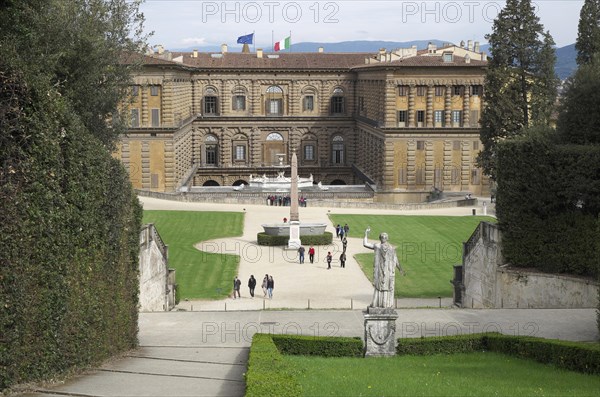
<point x="294" y="228"/>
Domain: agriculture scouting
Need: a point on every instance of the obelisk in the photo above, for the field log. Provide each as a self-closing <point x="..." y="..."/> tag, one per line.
<point x="294" y="241"/>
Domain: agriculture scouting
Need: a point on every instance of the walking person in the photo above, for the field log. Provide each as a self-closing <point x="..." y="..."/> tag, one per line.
<point x="344" y="244"/>
<point x="341" y="233"/>
<point x="311" y="254"/>
<point x="329" y="258"/>
<point x="346" y="229"/>
<point x="343" y="260"/>
<point x="270" y="286"/>
<point x="264" y="285"/>
<point x="237" y="283"/>
<point x="252" y="285"/>
<point x="337" y="230"/>
<point x="301" y="254"/>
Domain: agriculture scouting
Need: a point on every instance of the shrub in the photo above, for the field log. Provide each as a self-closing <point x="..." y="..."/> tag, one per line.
<point x="319" y="346"/>
<point x="440" y="345"/>
<point x="267" y="373"/>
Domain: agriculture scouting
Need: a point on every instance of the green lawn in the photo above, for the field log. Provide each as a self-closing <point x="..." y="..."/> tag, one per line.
<point x="427" y="247"/>
<point x="200" y="275"/>
<point x="469" y="374"/>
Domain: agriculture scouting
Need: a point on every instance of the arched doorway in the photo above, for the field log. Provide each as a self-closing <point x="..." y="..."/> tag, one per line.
<point x="211" y="183"/>
<point x="337" y="182"/>
<point x="239" y="182"/>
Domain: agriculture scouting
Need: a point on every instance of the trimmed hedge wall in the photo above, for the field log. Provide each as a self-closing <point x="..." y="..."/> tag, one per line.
<point x="267" y="373"/>
<point x="69" y="232"/>
<point x="574" y="356"/>
<point x="319" y="346"/>
<point x="548" y="202"/>
<point x="321" y="239"/>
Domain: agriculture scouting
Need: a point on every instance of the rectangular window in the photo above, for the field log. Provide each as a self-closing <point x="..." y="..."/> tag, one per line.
<point x="475" y="90"/>
<point x="402" y="118"/>
<point x="403" y="90"/>
<point x="402" y="176"/>
<point x="438" y="117"/>
<point x="338" y="153"/>
<point x="337" y="104"/>
<point x="155" y="117"/>
<point x="475" y="176"/>
<point x="154" y="181"/>
<point x="421" y="90"/>
<point x="210" y="105"/>
<point x="154" y="90"/>
<point x="420" y="117"/>
<point x="211" y="154"/>
<point x="274" y="107"/>
<point x="475" y="145"/>
<point x="309" y="103"/>
<point x="420" y="176"/>
<point x="135" y="90"/>
<point x="135" y="118"/>
<point x="309" y="152"/>
<point x="456" y="117"/>
<point x="439" y="91"/>
<point x="239" y="102"/>
<point x="458" y="90"/>
<point x="474" y="119"/>
<point x="455" y="176"/>
<point x="240" y="152"/>
<point x="420" y="145"/>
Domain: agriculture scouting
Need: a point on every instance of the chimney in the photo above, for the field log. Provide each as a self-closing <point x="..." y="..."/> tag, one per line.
<point x="223" y="48"/>
<point x="431" y="47"/>
<point x="470" y="45"/>
<point x="483" y="56"/>
<point x="462" y="44"/>
<point x="321" y="49"/>
<point x="477" y="46"/>
<point x="467" y="58"/>
<point x="160" y="49"/>
<point x="195" y="54"/>
<point x="259" y="52"/>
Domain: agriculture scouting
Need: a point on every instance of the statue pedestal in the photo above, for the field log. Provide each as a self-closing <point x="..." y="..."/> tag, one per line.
<point x="380" y="332"/>
<point x="294" y="241"/>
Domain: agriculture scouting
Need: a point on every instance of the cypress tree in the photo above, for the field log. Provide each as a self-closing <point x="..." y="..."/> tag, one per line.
<point x="520" y="80"/>
<point x="588" y="37"/>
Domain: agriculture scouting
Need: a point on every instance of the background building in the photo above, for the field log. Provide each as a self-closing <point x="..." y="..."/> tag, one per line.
<point x="404" y="121"/>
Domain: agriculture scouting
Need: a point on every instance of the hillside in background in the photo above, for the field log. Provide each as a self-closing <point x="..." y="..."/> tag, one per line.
<point x="565" y="62"/>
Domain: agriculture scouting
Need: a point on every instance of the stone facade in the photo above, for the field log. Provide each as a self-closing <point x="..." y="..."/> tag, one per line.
<point x="405" y="121"/>
<point x="157" y="281"/>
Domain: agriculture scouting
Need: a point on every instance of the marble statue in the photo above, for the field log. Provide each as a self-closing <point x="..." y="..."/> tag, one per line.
<point x="384" y="267"/>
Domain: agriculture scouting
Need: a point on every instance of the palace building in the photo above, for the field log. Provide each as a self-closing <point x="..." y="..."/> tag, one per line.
<point x="404" y="122"/>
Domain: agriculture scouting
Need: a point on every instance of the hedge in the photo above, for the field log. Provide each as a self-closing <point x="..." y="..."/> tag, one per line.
<point x="320" y="239"/>
<point x="319" y="346"/>
<point x="575" y="356"/>
<point x="267" y="373"/>
<point x="547" y="204"/>
<point x="69" y="232"/>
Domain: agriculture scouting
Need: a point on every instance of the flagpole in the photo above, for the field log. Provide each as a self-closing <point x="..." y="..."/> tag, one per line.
<point x="272" y="41"/>
<point x="254" y="39"/>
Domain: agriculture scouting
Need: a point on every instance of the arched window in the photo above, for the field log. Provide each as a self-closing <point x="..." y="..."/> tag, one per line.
<point x="274" y="102"/>
<point x="238" y="100"/>
<point x="309" y="149"/>
<point x="211" y="150"/>
<point x="338" y="103"/>
<point x="338" y="150"/>
<point x="274" y="136"/>
<point x="211" y="102"/>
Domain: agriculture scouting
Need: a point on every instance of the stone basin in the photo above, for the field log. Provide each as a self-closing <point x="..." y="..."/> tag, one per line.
<point x="306" y="229"/>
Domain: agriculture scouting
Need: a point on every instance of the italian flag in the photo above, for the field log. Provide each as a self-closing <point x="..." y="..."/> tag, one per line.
<point x="283" y="44"/>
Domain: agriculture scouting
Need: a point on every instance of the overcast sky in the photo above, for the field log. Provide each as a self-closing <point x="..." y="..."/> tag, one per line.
<point x="188" y="23"/>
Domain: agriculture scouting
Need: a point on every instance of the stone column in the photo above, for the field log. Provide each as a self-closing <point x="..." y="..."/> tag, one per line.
<point x="448" y="107"/>
<point x="466" y="107"/>
<point x="429" y="113"/>
<point x="411" y="105"/>
<point x="294" y="241"/>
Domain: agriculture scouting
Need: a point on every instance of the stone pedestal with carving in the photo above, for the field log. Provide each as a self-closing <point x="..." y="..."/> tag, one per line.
<point x="294" y="241"/>
<point x="380" y="332"/>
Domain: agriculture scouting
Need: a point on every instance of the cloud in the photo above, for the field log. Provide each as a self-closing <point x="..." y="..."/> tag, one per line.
<point x="194" y="40"/>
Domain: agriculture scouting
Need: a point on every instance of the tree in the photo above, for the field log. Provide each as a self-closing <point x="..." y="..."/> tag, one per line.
<point x="588" y="37"/>
<point x="579" y="119"/>
<point x="520" y="80"/>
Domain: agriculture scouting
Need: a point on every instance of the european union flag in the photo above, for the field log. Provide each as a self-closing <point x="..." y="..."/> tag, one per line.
<point x="247" y="39"/>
